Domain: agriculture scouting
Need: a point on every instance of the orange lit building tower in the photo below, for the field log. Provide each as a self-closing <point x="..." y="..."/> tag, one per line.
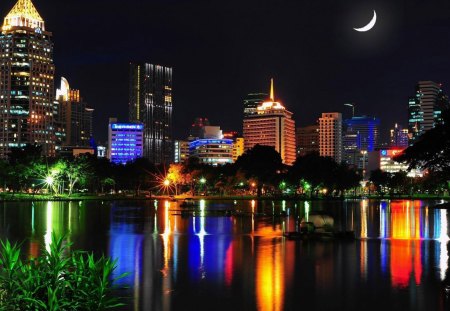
<point x="330" y="135"/>
<point x="273" y="126"/>
<point x="26" y="81"/>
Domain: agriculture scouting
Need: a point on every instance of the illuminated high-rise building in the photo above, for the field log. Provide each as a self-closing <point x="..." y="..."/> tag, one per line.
<point x="330" y="135"/>
<point x="361" y="135"/>
<point x="74" y="116"/>
<point x="425" y="108"/>
<point x="26" y="81"/>
<point x="272" y="126"/>
<point x="150" y="103"/>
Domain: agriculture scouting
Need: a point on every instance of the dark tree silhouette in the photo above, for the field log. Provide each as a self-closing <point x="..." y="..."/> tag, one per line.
<point x="262" y="163"/>
<point x="431" y="151"/>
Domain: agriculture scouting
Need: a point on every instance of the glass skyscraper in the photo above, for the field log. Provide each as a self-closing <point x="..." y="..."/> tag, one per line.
<point x="425" y="108"/>
<point x="252" y="102"/>
<point x="150" y="103"/>
<point x="26" y="81"/>
<point x="361" y="135"/>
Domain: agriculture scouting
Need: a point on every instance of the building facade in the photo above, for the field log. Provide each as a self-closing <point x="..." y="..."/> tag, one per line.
<point x="398" y="137"/>
<point x="307" y="140"/>
<point x="150" y="103"/>
<point x="181" y="151"/>
<point x="361" y="135"/>
<point x="26" y="81"/>
<point x="125" y="141"/>
<point x="74" y="116"/>
<point x="330" y="135"/>
<point x="211" y="148"/>
<point x="383" y="159"/>
<point x="425" y="108"/>
<point x="272" y="126"/>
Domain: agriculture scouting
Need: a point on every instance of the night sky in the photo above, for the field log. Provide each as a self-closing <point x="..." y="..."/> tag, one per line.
<point x="222" y="50"/>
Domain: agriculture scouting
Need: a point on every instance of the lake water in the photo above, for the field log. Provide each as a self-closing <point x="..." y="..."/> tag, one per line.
<point x="208" y="261"/>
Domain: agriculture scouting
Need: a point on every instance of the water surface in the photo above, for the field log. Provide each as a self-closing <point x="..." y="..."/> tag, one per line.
<point x="206" y="260"/>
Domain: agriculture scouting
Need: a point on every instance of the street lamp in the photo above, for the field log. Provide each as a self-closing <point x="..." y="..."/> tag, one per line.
<point x="166" y="183"/>
<point x="203" y="180"/>
<point x="353" y="108"/>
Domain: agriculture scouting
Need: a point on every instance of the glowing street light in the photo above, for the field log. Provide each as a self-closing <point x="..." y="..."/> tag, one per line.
<point x="203" y="180"/>
<point x="49" y="180"/>
<point x="166" y="183"/>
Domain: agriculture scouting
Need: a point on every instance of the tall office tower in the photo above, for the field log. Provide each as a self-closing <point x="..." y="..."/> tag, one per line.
<point x="272" y="126"/>
<point x="26" y="81"/>
<point x="330" y="135"/>
<point x="307" y="140"/>
<point x="361" y="135"/>
<point x="74" y="115"/>
<point x="425" y="108"/>
<point x="398" y="137"/>
<point x="252" y="102"/>
<point x="151" y="104"/>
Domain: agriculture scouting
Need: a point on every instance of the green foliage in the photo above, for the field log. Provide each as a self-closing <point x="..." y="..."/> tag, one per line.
<point x="58" y="280"/>
<point x="432" y="150"/>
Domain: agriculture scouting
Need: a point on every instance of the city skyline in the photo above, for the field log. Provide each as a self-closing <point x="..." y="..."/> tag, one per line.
<point x="315" y="67"/>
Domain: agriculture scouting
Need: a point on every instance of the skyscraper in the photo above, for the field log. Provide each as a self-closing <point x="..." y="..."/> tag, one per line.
<point x="252" y="102"/>
<point x="151" y="104"/>
<point x="330" y="135"/>
<point x="361" y="135"/>
<point x="425" y="108"/>
<point x="74" y="115"/>
<point x="307" y="140"/>
<point x="26" y="81"/>
<point x="272" y="126"/>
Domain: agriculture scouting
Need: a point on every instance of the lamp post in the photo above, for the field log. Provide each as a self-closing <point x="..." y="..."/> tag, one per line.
<point x="364" y="153"/>
<point x="353" y="108"/>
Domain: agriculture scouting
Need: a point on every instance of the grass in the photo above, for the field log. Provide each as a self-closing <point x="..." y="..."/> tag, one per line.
<point x="60" y="279"/>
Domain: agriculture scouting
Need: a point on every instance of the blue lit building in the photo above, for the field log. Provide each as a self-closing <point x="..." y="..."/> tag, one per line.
<point x="212" y="151"/>
<point x="361" y="135"/>
<point x="125" y="141"/>
<point x="211" y="148"/>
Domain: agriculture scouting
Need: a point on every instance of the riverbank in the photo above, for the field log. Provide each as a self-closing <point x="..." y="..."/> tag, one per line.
<point x="23" y="197"/>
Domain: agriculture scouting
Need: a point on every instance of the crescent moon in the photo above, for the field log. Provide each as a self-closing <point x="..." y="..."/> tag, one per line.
<point x="369" y="25"/>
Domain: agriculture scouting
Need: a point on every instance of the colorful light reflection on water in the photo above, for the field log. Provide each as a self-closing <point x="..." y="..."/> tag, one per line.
<point x="177" y="261"/>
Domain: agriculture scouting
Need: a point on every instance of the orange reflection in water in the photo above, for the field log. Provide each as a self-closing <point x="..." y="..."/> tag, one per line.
<point x="269" y="276"/>
<point x="405" y="249"/>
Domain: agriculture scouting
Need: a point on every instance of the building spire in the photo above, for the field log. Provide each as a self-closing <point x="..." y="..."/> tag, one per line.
<point x="23" y="14"/>
<point x="272" y="92"/>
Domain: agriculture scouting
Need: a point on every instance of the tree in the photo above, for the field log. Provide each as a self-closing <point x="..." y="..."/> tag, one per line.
<point x="262" y="163"/>
<point x="432" y="150"/>
<point x="380" y="179"/>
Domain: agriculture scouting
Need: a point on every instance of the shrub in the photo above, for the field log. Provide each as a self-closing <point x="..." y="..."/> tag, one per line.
<point x="60" y="279"/>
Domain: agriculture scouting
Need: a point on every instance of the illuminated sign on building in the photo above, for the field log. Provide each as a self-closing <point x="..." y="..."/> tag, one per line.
<point x="124" y="126"/>
<point x="125" y="142"/>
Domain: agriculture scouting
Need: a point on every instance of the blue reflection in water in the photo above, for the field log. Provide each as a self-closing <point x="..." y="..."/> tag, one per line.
<point x="208" y="246"/>
<point x="126" y="246"/>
